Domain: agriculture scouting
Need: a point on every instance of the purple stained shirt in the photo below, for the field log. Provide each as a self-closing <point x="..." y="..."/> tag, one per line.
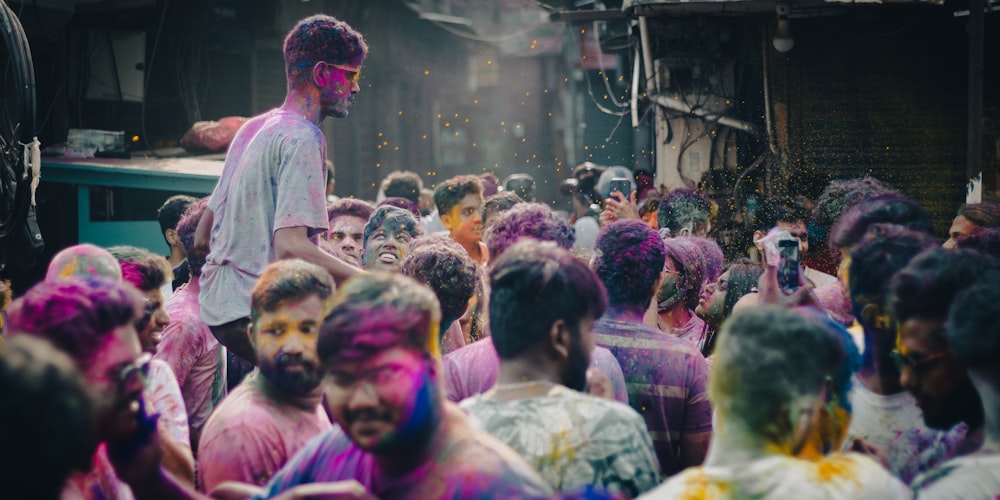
<point x="251" y="436"/>
<point x="476" y="466"/>
<point x="474" y="368"/>
<point x="195" y="356"/>
<point x="666" y="380"/>
<point x="274" y="178"/>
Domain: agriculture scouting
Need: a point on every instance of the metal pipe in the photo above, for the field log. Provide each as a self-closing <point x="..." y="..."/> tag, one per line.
<point x="634" y="98"/>
<point x="647" y="56"/>
<point x="669" y="102"/>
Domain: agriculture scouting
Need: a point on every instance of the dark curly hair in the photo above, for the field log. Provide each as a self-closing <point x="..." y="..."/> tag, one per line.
<point x="403" y="184"/>
<point x="629" y="259"/>
<point x="450" y="192"/>
<point x="531" y="220"/>
<point x="889" y="208"/>
<point x="321" y="38"/>
<point x="143" y="269"/>
<point x="927" y="286"/>
<point x="449" y="272"/>
<point x="350" y="206"/>
<point x="681" y="208"/>
<point x="840" y="195"/>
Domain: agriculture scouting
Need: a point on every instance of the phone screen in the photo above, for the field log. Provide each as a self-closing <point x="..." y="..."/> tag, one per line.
<point x="622" y="185"/>
<point x="788" y="268"/>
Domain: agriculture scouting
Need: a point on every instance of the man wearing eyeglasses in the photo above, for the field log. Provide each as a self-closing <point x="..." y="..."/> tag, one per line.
<point x="922" y="294"/>
<point x="270" y="201"/>
<point x="95" y="326"/>
<point x="276" y="410"/>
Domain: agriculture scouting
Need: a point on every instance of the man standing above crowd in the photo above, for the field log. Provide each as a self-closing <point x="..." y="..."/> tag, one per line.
<point x="397" y="434"/>
<point x="270" y="202"/>
<point x="459" y="202"/>
<point x="666" y="376"/>
<point x="276" y="410"/>
<point x="543" y="303"/>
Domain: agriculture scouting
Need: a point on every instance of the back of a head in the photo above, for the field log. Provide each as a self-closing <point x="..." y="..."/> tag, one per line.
<point x="169" y="214"/>
<point x="792" y="357"/>
<point x="377" y="311"/>
<point x="981" y="239"/>
<point x="534" y="285"/>
<point x="491" y="184"/>
<point x="351" y="207"/>
<point x="772" y="212"/>
<point x="981" y="214"/>
<point x="971" y="328"/>
<point x="683" y="209"/>
<point x="320" y="38"/>
<point x="402" y="218"/>
<point x="77" y="315"/>
<point x="840" y="195"/>
<point x="882" y="252"/>
<point x="450" y="192"/>
<point x="84" y="260"/>
<point x="497" y="204"/>
<point x="46" y="424"/>
<point x="447" y="269"/>
<point x="523" y="185"/>
<point x="290" y="280"/>
<point x="143" y="269"/>
<point x="528" y="220"/>
<point x="186" y="229"/>
<point x="927" y="286"/>
<point x="403" y="184"/>
<point x="889" y="208"/>
<point x="629" y="259"/>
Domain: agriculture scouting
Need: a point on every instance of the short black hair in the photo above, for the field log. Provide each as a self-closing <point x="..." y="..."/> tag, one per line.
<point x="169" y="214"/>
<point x="971" y="325"/>
<point x="883" y="251"/>
<point x="186" y="229"/>
<point x="349" y="206"/>
<point x="982" y="239"/>
<point x="926" y="287"/>
<point x="981" y="214"/>
<point x="444" y="266"/>
<point x="450" y="192"/>
<point x="772" y="212"/>
<point x="403" y="184"/>
<point x="387" y="212"/>
<point x="288" y="280"/>
<point x="532" y="286"/>
<point x="498" y="203"/>
<point x="888" y="208"/>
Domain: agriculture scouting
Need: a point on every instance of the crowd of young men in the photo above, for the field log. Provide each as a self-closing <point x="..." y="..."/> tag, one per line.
<point x="475" y="349"/>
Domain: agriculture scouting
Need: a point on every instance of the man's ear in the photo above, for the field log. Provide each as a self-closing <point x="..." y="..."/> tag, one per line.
<point x="560" y="338"/>
<point x="446" y="219"/>
<point x="756" y="236"/>
<point x="250" y="334"/>
<point x="171" y="236"/>
<point x="321" y="74"/>
<point x="876" y="317"/>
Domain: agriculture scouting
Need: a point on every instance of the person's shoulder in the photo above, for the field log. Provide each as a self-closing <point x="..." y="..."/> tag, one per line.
<point x="471" y="353"/>
<point x="486" y="466"/>
<point x="243" y="410"/>
<point x="861" y="474"/>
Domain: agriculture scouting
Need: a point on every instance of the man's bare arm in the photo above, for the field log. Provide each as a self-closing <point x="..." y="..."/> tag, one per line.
<point x="203" y="233"/>
<point x="293" y="243"/>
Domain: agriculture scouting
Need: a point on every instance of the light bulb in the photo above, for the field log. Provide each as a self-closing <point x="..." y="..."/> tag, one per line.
<point x="783" y="41"/>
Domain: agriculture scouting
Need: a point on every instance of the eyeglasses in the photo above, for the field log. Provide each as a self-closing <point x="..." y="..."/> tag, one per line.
<point x="905" y="360"/>
<point x="140" y="367"/>
<point x="354" y="74"/>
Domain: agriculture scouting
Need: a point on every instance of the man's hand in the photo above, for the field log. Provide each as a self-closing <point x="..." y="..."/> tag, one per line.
<point x="341" y="490"/>
<point x="619" y="207"/>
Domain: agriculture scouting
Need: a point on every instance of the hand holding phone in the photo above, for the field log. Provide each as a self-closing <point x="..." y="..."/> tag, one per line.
<point x="621" y="184"/>
<point x="788" y="265"/>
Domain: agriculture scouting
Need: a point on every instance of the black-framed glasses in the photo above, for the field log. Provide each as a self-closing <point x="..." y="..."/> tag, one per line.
<point x="905" y="360"/>
<point x="140" y="367"/>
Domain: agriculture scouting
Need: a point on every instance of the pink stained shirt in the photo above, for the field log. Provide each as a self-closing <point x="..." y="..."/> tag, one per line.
<point x="250" y="436"/>
<point x="195" y="356"/>
<point x="474" y="368"/>
<point x="163" y="397"/>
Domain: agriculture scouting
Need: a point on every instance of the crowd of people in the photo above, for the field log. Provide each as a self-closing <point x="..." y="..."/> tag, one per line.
<point x="468" y="342"/>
